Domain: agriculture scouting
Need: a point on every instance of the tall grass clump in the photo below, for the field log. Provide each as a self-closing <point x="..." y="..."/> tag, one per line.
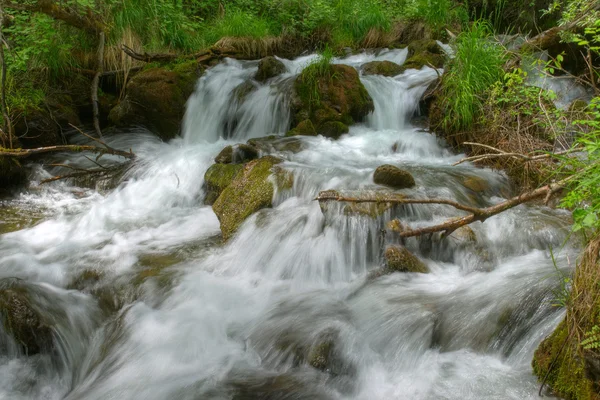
<point x="436" y="13"/>
<point x="237" y="23"/>
<point x="358" y="17"/>
<point x="159" y="24"/>
<point x="320" y="69"/>
<point x="477" y="65"/>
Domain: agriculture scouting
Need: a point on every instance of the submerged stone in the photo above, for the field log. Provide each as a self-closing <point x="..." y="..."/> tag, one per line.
<point x="250" y="190"/>
<point x="394" y="177"/>
<point x="476" y="184"/>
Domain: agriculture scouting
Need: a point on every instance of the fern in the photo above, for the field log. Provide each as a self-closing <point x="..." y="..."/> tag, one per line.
<point x="592" y="339"/>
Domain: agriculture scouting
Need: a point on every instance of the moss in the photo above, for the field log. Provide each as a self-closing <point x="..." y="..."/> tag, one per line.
<point x="392" y="176"/>
<point x="269" y="67"/>
<point x="249" y="191"/>
<point x="567" y="377"/>
<point x="217" y="178"/>
<point x="225" y="156"/>
<point x="424" y="45"/>
<point x="423" y="59"/>
<point x="320" y="355"/>
<point x="337" y="96"/>
<point x="304" y="128"/>
<point x="399" y="259"/>
<point x="333" y="129"/>
<point x="243" y="90"/>
<point x="385" y="68"/>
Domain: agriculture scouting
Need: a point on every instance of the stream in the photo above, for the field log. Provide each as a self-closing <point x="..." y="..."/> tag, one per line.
<point x="148" y="303"/>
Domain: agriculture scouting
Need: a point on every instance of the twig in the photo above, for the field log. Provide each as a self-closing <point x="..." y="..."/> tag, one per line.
<point x="88" y="136"/>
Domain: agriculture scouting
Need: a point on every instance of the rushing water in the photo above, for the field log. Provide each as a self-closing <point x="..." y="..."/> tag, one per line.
<point x="172" y="313"/>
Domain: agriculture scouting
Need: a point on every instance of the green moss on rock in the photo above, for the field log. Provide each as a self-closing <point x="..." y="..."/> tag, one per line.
<point x="304" y="128"/>
<point x="337" y="96"/>
<point x="333" y="129"/>
<point x="394" y="177"/>
<point x="217" y="178"/>
<point x="156" y="98"/>
<point x="385" y="68"/>
<point x="250" y="191"/>
<point x="269" y="67"/>
<point x="476" y="184"/>
<point x="399" y="259"/>
<point x="225" y="156"/>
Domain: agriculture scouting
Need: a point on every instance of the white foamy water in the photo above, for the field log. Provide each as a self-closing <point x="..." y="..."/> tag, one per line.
<point x="238" y="320"/>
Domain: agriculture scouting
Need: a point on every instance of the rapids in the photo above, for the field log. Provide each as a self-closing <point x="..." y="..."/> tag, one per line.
<point x="173" y="313"/>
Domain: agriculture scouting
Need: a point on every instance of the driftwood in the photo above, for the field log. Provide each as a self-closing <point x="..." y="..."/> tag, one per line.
<point x="475" y="214"/>
<point x="503" y="154"/>
<point x="24" y="153"/>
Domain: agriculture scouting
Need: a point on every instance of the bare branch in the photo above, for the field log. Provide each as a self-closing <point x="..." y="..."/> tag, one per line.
<point x="24" y="153"/>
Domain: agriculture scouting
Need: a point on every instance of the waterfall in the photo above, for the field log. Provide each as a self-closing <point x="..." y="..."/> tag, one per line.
<point x="149" y="304"/>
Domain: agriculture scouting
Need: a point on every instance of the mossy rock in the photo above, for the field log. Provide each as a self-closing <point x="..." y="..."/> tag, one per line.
<point x="333" y="129"/>
<point x="22" y="320"/>
<point x="371" y="210"/>
<point x="284" y="179"/>
<point x="12" y="173"/>
<point x="423" y="59"/>
<point x="250" y="191"/>
<point x="464" y="235"/>
<point x="272" y="143"/>
<point x="476" y="184"/>
<point x="424" y="45"/>
<point x="557" y="360"/>
<point x="269" y="67"/>
<point x="304" y="128"/>
<point x="85" y="279"/>
<point x="217" y="178"/>
<point x="242" y="91"/>
<point x="238" y="154"/>
<point x="385" y="68"/>
<point x="394" y="177"/>
<point x="156" y="98"/>
<point x="337" y="96"/>
<point x="399" y="259"/>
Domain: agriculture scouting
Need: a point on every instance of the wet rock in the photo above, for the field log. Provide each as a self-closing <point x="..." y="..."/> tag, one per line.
<point x="464" y="235"/>
<point x="476" y="184"/>
<point x="85" y="279"/>
<point x="304" y="128"/>
<point x="22" y="320"/>
<point x="371" y="210"/>
<point x="12" y="173"/>
<point x="269" y="67"/>
<point x="336" y="96"/>
<point x="399" y="259"/>
<point x="277" y="387"/>
<point x="217" y="178"/>
<point x="392" y="176"/>
<point x="333" y="129"/>
<point x="272" y="143"/>
<point x="250" y="191"/>
<point x="156" y="98"/>
<point x="242" y="91"/>
<point x="284" y="179"/>
<point x="238" y="154"/>
<point x="395" y="226"/>
<point x="424" y="45"/>
<point x="385" y="68"/>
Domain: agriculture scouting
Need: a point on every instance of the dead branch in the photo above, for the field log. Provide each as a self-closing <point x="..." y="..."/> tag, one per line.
<point x="204" y="57"/>
<point x="8" y="126"/>
<point x="518" y="156"/>
<point x="148" y="58"/>
<point x="24" y="153"/>
<point x="88" y="21"/>
<point x="96" y="81"/>
<point x="475" y="214"/>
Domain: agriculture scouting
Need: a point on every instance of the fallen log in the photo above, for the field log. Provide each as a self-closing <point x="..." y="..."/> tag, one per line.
<point x="475" y="214"/>
<point x="24" y="153"/>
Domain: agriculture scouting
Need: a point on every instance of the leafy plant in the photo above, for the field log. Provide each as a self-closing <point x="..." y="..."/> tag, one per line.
<point x="317" y="70"/>
<point x="592" y="339"/>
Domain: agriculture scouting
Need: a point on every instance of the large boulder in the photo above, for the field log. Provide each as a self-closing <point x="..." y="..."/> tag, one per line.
<point x="250" y="191"/>
<point x="399" y="259"/>
<point x="269" y="67"/>
<point x="336" y="95"/>
<point x="156" y="98"/>
<point x="385" y="68"/>
<point x="217" y="178"/>
<point x="422" y="53"/>
<point x="394" y="177"/>
<point x="27" y="325"/>
<point x="237" y="154"/>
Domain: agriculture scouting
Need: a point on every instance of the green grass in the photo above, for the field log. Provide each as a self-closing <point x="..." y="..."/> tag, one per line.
<point x="476" y="67"/>
<point x="237" y="23"/>
<point x="317" y="70"/>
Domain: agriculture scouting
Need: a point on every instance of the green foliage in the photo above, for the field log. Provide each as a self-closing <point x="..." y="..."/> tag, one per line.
<point x="476" y="67"/>
<point x="317" y="70"/>
<point x="436" y="13"/>
<point x="592" y="339"/>
<point x="237" y="23"/>
<point x="584" y="185"/>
